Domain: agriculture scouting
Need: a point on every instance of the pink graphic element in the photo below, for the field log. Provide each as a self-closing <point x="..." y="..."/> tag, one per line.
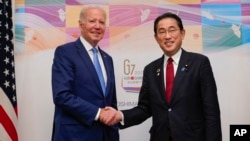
<point x="220" y="1"/>
<point x="49" y="14"/>
<point x="78" y="2"/>
<point x="245" y="13"/>
<point x="196" y="36"/>
<point x="131" y="15"/>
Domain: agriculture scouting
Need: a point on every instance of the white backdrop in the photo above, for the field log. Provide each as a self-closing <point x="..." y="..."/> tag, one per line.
<point x="33" y="75"/>
<point x="33" y="82"/>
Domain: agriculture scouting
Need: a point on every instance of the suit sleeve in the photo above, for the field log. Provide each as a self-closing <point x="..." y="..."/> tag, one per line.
<point x="114" y="97"/>
<point x="142" y="111"/>
<point x="210" y="102"/>
<point x="62" y="86"/>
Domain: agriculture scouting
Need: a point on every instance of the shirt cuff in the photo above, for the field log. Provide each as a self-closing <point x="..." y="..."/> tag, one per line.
<point x="98" y="114"/>
<point x="122" y="121"/>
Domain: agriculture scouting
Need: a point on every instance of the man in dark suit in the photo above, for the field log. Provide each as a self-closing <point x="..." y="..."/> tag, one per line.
<point x="191" y="112"/>
<point x="77" y="92"/>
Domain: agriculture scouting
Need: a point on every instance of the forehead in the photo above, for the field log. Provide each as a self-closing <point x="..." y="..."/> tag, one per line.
<point x="167" y="23"/>
<point x="95" y="12"/>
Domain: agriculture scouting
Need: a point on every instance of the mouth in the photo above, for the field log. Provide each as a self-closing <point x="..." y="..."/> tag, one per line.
<point x="96" y="33"/>
<point x="169" y="43"/>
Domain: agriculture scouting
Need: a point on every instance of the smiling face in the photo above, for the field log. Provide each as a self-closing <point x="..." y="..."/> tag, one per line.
<point x="169" y="36"/>
<point x="92" y="25"/>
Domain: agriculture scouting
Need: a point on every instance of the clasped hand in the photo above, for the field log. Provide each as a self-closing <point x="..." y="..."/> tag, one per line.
<point x="110" y="116"/>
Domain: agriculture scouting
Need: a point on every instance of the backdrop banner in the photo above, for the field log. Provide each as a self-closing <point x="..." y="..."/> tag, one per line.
<point x="219" y="29"/>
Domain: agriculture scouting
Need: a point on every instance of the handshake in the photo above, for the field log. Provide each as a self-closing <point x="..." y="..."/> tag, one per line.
<point x="110" y="116"/>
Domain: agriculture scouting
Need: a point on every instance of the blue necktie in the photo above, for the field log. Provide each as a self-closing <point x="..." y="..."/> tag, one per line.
<point x="98" y="68"/>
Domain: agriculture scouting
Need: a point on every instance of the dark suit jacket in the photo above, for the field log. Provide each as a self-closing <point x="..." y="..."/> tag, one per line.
<point x="193" y="114"/>
<point x="77" y="95"/>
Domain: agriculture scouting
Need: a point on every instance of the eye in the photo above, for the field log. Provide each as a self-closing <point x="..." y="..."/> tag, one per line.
<point x="91" y="21"/>
<point x="162" y="31"/>
<point x="171" y="30"/>
<point x="102" y="22"/>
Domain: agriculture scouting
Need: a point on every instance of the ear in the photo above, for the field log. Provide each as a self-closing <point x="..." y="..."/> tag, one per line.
<point x="79" y="24"/>
<point x="155" y="36"/>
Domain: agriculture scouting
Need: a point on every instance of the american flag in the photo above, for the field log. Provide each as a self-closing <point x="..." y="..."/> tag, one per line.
<point x="8" y="100"/>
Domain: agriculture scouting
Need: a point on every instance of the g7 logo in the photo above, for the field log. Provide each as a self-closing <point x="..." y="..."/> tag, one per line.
<point x="128" y="68"/>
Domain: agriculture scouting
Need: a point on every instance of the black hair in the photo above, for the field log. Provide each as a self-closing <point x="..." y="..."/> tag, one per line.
<point x="168" y="15"/>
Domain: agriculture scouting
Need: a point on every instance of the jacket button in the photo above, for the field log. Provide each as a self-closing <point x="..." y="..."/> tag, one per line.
<point x="169" y="109"/>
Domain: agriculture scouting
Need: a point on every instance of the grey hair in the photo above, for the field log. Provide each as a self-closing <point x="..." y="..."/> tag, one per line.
<point x="87" y="7"/>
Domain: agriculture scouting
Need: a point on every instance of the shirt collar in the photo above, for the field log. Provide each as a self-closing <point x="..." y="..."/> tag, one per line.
<point x="86" y="44"/>
<point x="176" y="57"/>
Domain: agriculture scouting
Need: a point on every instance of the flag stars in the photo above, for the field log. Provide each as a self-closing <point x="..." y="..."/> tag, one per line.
<point x="13" y="75"/>
<point x="7" y="37"/>
<point x="12" y="52"/>
<point x="6" y="84"/>
<point x="6" y="3"/>
<point x="6" y="72"/>
<point x="12" y="64"/>
<point x="13" y="87"/>
<point x="6" y="25"/>
<point x="14" y="98"/>
<point x="7" y="49"/>
<point x="7" y="60"/>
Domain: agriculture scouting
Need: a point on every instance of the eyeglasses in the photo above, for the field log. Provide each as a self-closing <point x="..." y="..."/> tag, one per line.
<point x="170" y="32"/>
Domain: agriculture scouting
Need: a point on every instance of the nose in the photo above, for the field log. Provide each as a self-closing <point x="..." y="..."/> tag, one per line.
<point x="97" y="25"/>
<point x="167" y="35"/>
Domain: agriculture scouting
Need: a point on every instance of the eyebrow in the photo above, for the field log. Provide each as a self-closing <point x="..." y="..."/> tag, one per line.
<point x="171" y="27"/>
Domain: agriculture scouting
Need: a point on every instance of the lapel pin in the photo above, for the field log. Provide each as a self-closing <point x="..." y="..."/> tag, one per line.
<point x="158" y="72"/>
<point x="185" y="68"/>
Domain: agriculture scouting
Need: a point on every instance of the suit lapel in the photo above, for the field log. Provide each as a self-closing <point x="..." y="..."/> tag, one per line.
<point x="159" y="72"/>
<point x="88" y="62"/>
<point x="180" y="74"/>
<point x="107" y="68"/>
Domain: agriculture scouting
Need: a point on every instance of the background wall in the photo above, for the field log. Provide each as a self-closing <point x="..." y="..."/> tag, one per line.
<point x="219" y="29"/>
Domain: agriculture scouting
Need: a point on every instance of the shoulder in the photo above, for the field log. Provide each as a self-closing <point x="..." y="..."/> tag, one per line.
<point x="194" y="55"/>
<point x="156" y="63"/>
<point x="68" y="48"/>
<point x="65" y="51"/>
<point x="68" y="45"/>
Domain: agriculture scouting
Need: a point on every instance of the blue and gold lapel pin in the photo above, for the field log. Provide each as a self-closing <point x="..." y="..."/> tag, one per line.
<point x="158" y="71"/>
<point x="185" y="68"/>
